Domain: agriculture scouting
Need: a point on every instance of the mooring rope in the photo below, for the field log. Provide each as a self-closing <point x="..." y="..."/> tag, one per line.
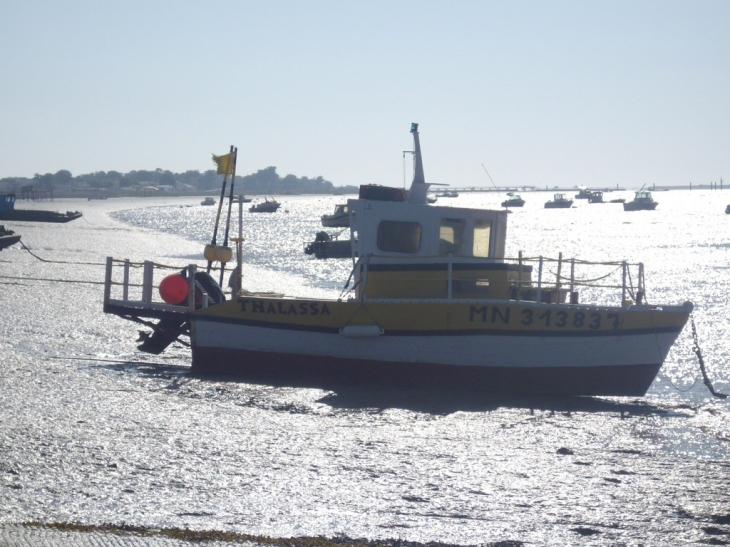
<point x="58" y="261"/>
<point x="54" y="280"/>
<point x="698" y="353"/>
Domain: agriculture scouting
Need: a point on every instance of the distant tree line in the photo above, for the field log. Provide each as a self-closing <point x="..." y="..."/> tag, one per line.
<point x="264" y="181"/>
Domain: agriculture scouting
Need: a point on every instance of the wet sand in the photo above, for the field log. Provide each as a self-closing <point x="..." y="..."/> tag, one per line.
<point x="93" y="432"/>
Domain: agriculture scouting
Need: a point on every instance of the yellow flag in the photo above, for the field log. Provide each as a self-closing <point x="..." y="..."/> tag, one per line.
<point x="224" y="163"/>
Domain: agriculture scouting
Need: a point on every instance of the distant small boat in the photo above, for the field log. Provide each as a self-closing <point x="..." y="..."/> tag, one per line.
<point x="208" y="201"/>
<point x="265" y="206"/>
<point x="513" y="201"/>
<point x="583" y="193"/>
<point x="97" y="197"/>
<point x="642" y="202"/>
<point x="324" y="246"/>
<point x="7" y="238"/>
<point x="339" y="219"/>
<point x="448" y="195"/>
<point x="596" y="197"/>
<point x="618" y="200"/>
<point x="430" y="199"/>
<point x="727" y="210"/>
<point x="559" y="202"/>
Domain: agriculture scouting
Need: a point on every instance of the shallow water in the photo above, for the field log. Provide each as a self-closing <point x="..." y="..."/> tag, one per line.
<point x="93" y="431"/>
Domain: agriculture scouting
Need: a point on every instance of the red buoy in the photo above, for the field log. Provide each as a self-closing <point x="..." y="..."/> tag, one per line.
<point x="174" y="289"/>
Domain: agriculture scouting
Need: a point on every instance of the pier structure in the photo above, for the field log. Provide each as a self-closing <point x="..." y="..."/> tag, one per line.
<point x="524" y="188"/>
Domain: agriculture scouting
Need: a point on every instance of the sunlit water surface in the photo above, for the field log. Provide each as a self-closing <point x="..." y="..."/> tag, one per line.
<point x="93" y="431"/>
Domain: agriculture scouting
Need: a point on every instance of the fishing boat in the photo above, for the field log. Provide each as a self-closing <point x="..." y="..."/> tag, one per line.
<point x="208" y="201"/>
<point x="9" y="212"/>
<point x="339" y="219"/>
<point x="583" y="193"/>
<point x="431" y="301"/>
<point x="448" y="194"/>
<point x="559" y="201"/>
<point x="7" y="238"/>
<point x="266" y="206"/>
<point x="325" y="246"/>
<point x="596" y="197"/>
<point x="513" y="201"/>
<point x="642" y="202"/>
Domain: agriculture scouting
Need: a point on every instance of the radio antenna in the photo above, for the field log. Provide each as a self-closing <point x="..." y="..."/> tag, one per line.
<point x="490" y="179"/>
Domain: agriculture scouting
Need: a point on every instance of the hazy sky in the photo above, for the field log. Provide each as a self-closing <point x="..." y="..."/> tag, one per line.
<point x="556" y="93"/>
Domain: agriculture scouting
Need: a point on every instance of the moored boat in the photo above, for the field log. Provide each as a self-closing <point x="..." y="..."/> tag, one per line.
<point x="596" y="197"/>
<point x="514" y="200"/>
<point x="7" y="238"/>
<point x="9" y="212"/>
<point x="559" y="201"/>
<point x="325" y="246"/>
<point x="266" y="206"/>
<point x="208" y="201"/>
<point x="433" y="301"/>
<point x="339" y="219"/>
<point x="642" y="202"/>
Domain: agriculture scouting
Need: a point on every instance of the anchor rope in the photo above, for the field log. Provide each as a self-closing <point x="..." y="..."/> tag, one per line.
<point x="698" y="352"/>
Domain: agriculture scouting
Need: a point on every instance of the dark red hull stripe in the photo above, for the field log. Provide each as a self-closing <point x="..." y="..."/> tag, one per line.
<point x="446" y="332"/>
<point x="328" y="372"/>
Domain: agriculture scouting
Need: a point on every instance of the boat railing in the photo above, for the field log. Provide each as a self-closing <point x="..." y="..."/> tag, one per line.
<point x="131" y="286"/>
<point x="551" y="280"/>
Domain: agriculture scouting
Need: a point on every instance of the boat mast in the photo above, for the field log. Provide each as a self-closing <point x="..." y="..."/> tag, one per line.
<point x="419" y="186"/>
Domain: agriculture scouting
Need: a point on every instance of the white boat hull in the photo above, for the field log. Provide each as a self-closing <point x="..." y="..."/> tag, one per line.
<point x="571" y="362"/>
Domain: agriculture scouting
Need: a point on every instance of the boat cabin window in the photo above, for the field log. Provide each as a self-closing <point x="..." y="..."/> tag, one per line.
<point x="451" y="236"/>
<point x="399" y="237"/>
<point x="482" y="234"/>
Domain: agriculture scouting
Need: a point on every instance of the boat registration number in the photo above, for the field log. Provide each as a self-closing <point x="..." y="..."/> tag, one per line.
<point x="545" y="318"/>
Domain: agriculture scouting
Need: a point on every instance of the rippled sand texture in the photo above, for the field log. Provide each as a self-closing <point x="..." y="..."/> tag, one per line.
<point x="91" y="431"/>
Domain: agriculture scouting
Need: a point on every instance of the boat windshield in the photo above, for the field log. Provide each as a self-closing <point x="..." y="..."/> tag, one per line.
<point x="451" y="236"/>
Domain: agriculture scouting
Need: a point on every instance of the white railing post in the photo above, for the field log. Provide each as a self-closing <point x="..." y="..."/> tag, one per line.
<point x="108" y="280"/>
<point x="125" y="287"/>
<point x="623" y="284"/>
<point x="519" y="275"/>
<point x="557" y="277"/>
<point x="191" y="287"/>
<point x="539" y="280"/>
<point x="641" y="278"/>
<point x="572" y="276"/>
<point x="147" y="276"/>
